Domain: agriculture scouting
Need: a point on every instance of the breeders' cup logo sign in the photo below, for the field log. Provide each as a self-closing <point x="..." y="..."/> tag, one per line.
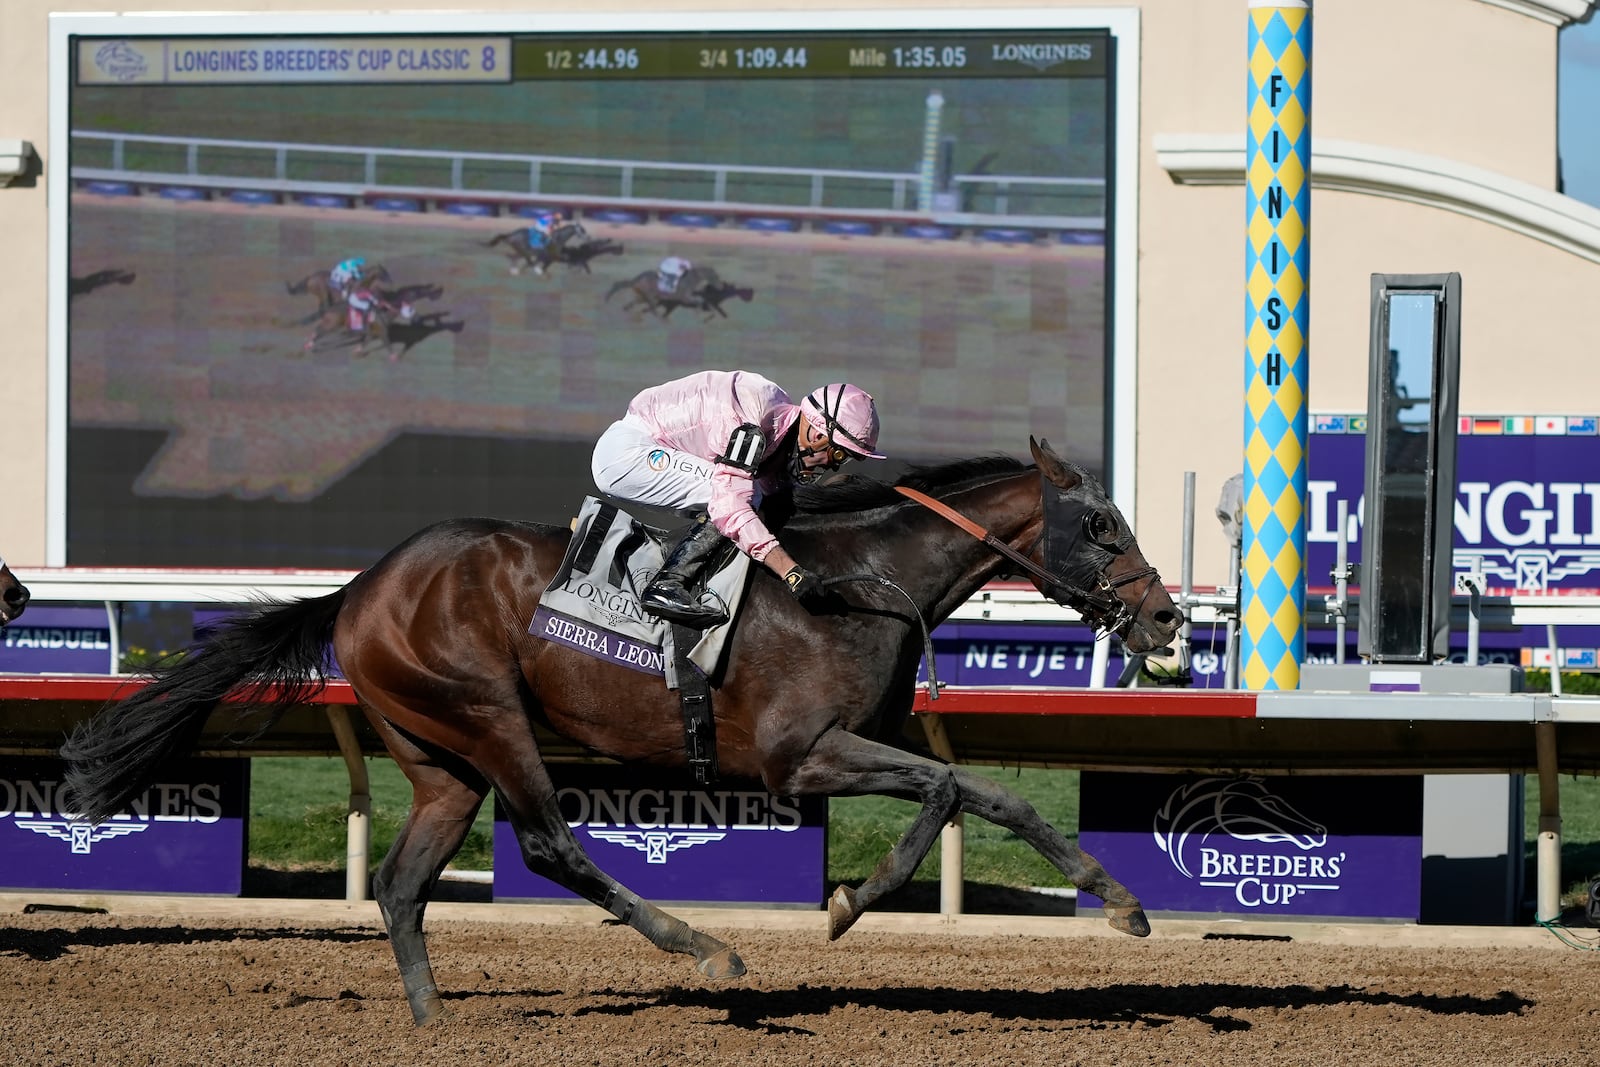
<point x="121" y="61"/>
<point x="184" y="834"/>
<point x="1206" y="829"/>
<point x="669" y="842"/>
<point x="1525" y="516"/>
<point x="1301" y="846"/>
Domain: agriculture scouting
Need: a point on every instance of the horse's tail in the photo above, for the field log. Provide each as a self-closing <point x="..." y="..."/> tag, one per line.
<point x="296" y="288"/>
<point x="626" y="283"/>
<point x="497" y="238"/>
<point x="271" y="658"/>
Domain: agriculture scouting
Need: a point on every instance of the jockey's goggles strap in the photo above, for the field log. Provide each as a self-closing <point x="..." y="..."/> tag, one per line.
<point x="831" y="420"/>
<point x="945" y="511"/>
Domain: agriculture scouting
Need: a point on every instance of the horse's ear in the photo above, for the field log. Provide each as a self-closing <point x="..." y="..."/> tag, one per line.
<point x="1050" y="464"/>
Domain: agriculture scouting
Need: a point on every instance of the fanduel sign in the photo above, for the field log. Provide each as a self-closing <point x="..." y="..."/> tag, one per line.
<point x="1527" y="511"/>
<point x="1336" y="847"/>
<point x="184" y="834"/>
<point x="670" y="841"/>
<point x="49" y="640"/>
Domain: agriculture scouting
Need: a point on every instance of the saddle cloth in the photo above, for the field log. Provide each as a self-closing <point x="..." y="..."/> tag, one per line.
<point x="592" y="603"/>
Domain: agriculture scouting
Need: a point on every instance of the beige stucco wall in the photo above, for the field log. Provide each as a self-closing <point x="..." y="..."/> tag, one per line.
<point x="1464" y="80"/>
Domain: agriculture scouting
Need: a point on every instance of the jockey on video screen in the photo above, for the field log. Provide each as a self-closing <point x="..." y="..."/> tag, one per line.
<point x="346" y="273"/>
<point x="671" y="272"/>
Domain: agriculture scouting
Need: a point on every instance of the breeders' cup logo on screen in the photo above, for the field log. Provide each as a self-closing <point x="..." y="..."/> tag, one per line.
<point x="122" y="61"/>
<point x="41" y="807"/>
<point x="662" y="822"/>
<point x="1205" y="828"/>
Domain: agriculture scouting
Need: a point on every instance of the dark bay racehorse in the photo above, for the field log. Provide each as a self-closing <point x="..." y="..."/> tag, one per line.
<point x="13" y="595"/>
<point x="369" y="326"/>
<point x="434" y="639"/>
<point x="569" y="243"/>
<point x="700" y="288"/>
<point x="319" y="285"/>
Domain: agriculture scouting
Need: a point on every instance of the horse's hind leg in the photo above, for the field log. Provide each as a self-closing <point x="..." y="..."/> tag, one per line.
<point x="445" y="799"/>
<point x="994" y="803"/>
<point x="550" y="850"/>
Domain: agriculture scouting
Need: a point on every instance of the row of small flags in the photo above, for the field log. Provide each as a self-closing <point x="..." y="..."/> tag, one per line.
<point x="1504" y="425"/>
<point x="1571" y="658"/>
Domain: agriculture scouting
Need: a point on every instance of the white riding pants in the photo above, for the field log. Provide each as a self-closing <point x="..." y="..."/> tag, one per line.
<point x="630" y="464"/>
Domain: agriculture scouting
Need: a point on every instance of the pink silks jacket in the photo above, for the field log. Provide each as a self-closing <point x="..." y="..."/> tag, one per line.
<point x="698" y="414"/>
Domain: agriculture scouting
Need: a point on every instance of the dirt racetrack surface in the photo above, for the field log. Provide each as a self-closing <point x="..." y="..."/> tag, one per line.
<point x="287" y="982"/>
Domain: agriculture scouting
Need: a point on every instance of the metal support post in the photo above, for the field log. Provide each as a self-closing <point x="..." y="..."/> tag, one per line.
<point x="358" y="821"/>
<point x="1548" y="849"/>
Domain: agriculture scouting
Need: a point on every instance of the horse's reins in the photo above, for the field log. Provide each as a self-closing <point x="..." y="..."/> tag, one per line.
<point x="942" y="509"/>
<point x="927" y="635"/>
<point x="1106" y="612"/>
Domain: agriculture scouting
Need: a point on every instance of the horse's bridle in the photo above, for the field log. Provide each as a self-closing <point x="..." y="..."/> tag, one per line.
<point x="1073" y="530"/>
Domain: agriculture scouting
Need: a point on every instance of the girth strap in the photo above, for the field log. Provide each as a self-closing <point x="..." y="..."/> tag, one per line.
<point x="694" y="694"/>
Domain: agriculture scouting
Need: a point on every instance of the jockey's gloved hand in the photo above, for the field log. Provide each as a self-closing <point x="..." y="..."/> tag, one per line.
<point x="806" y="587"/>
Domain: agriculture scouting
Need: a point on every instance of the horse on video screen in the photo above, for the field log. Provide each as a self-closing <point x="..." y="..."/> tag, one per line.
<point x="700" y="289"/>
<point x="13" y="595"/>
<point x="369" y="319"/>
<point x="569" y="243"/>
<point x="434" y="640"/>
<point x="319" y="284"/>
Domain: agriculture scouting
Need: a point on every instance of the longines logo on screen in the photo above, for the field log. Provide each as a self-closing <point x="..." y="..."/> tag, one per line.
<point x="1212" y="831"/>
<point x="39" y="806"/>
<point x="660" y="822"/>
<point x="1042" y="56"/>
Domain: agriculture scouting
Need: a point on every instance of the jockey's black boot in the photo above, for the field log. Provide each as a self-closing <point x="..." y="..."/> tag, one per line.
<point x="672" y="594"/>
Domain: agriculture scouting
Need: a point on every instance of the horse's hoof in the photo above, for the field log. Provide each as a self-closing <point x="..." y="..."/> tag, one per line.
<point x="430" y="1014"/>
<point x="842" y="912"/>
<point x="1130" y="920"/>
<point x="724" y="964"/>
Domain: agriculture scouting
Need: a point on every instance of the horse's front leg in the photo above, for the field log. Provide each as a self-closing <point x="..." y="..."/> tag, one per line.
<point x="994" y="803"/>
<point x="843" y="764"/>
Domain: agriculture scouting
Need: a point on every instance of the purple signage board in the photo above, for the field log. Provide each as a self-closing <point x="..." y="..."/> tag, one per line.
<point x="994" y="654"/>
<point x="1527" y="513"/>
<point x="672" y="841"/>
<point x="52" y="640"/>
<point x="1305" y="846"/>
<point x="185" y="834"/>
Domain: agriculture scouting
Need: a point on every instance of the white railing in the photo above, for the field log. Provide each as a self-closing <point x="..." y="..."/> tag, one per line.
<point x="362" y="170"/>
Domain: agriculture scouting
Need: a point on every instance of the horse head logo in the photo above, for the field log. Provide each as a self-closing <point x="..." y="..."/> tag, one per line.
<point x="1242" y="808"/>
<point x="121" y="60"/>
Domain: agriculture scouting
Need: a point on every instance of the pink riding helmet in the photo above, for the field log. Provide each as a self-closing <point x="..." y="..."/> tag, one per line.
<point x="847" y="414"/>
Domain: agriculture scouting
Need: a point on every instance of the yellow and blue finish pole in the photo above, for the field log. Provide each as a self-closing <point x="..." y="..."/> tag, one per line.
<point x="1277" y="178"/>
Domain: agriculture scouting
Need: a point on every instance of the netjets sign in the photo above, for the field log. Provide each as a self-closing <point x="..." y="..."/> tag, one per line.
<point x="1339" y="847"/>
<point x="668" y="840"/>
<point x="184" y="834"/>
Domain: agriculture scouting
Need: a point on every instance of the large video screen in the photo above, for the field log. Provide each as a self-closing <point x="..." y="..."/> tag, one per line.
<point x="325" y="281"/>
